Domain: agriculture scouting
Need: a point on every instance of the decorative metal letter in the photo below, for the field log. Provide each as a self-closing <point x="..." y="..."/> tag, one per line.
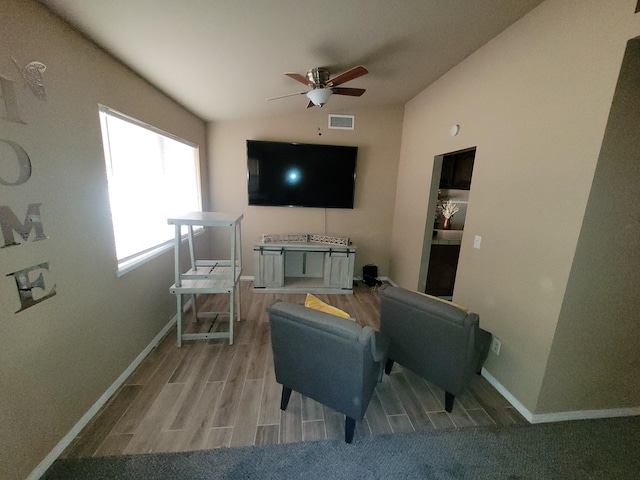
<point x="32" y="76"/>
<point x="24" y="163"/>
<point x="10" y="223"/>
<point x="26" y="286"/>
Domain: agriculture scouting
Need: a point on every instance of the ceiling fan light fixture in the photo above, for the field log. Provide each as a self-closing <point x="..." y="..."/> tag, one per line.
<point x="319" y="96"/>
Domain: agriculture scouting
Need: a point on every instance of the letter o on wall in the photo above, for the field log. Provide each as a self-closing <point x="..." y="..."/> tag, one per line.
<point x="10" y="149"/>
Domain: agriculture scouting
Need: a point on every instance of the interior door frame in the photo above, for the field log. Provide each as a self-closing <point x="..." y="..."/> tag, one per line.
<point x="431" y="208"/>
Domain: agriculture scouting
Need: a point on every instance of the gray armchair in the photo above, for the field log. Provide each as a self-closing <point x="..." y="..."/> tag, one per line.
<point x="434" y="339"/>
<point x="332" y="360"/>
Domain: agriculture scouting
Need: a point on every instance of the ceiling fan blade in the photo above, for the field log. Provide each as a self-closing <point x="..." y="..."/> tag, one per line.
<point x="352" y="92"/>
<point x="301" y="79"/>
<point x="288" y="95"/>
<point x="310" y="104"/>
<point x="355" y="72"/>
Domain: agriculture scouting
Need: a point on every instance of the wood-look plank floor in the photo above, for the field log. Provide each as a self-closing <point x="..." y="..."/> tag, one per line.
<point x="209" y="394"/>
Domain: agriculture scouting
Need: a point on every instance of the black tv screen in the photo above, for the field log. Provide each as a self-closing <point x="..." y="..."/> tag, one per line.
<point x="301" y="174"/>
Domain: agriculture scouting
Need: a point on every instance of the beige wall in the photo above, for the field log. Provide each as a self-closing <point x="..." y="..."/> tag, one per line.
<point x="595" y="359"/>
<point x="59" y="356"/>
<point x="534" y="101"/>
<point x="377" y="136"/>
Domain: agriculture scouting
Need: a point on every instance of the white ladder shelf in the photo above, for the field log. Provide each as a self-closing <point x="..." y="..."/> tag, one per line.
<point x="208" y="276"/>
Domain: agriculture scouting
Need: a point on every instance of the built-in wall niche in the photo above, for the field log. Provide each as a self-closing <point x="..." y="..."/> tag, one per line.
<point x="452" y="174"/>
<point x="460" y="198"/>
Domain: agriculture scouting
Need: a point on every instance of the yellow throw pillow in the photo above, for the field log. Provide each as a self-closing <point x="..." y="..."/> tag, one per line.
<point x="464" y="309"/>
<point x="314" y="302"/>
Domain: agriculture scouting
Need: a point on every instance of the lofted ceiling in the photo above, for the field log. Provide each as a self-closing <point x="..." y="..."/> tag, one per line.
<point x="223" y="58"/>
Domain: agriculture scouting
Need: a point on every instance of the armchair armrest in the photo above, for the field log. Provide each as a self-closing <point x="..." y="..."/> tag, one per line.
<point x="379" y="343"/>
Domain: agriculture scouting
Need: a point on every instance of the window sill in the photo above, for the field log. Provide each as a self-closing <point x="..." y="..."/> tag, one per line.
<point x="133" y="263"/>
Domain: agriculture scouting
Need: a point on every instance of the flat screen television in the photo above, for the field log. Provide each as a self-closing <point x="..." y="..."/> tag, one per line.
<point x="301" y="174"/>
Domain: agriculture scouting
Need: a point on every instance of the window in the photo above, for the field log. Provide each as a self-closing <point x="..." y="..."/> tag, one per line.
<point x="152" y="176"/>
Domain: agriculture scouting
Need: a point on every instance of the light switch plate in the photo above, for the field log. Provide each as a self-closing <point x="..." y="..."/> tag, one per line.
<point x="476" y="241"/>
<point x="495" y="346"/>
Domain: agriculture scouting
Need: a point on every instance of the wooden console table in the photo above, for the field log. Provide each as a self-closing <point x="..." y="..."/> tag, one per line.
<point x="305" y="267"/>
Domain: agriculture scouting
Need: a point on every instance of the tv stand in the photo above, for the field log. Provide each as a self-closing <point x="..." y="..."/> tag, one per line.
<point x="303" y="267"/>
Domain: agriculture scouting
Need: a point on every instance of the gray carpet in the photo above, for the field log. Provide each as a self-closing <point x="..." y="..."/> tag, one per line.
<point x="584" y="449"/>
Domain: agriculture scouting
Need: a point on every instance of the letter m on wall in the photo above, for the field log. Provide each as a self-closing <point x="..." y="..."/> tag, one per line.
<point x="10" y="225"/>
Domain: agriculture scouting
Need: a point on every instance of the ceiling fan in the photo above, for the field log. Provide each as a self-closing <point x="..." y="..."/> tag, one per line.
<point x="323" y="86"/>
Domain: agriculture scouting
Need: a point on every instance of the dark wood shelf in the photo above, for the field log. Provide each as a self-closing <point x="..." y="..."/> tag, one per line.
<point x="456" y="170"/>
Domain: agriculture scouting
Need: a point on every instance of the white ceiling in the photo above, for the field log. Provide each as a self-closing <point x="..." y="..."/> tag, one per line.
<point x="223" y="58"/>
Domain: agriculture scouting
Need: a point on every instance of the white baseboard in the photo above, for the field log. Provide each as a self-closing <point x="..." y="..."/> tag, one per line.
<point x="585" y="415"/>
<point x="507" y="394"/>
<point x="41" y="469"/>
<point x="557" y="416"/>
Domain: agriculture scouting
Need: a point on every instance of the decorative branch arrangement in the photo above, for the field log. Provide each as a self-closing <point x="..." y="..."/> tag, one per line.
<point x="448" y="209"/>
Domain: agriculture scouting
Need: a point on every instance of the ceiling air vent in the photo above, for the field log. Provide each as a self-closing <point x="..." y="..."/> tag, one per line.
<point x="341" y="122"/>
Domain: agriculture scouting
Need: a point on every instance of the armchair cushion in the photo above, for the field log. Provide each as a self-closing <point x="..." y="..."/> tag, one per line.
<point x="314" y="302"/>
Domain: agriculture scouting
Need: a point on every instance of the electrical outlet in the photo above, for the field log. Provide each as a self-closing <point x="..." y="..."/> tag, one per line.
<point x="495" y="346"/>
<point x="476" y="241"/>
